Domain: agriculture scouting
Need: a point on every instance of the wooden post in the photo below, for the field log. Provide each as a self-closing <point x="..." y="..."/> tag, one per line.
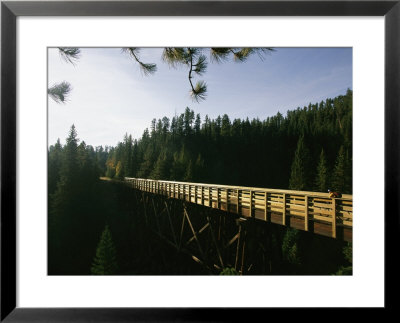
<point x="306" y="213"/>
<point x="195" y="194"/>
<point x="202" y="195"/>
<point x="215" y="241"/>
<point x="238" y="248"/>
<point x="333" y="218"/>
<point x="284" y="210"/>
<point x="217" y="197"/>
<point x="243" y="252"/>
<point x="209" y="197"/>
<point x="238" y="204"/>
<point x="227" y="199"/>
<point x="171" y="226"/>
<point x="251" y="204"/>
<point x="266" y="207"/>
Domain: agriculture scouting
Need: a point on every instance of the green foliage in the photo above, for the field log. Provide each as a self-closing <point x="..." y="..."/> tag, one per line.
<point x="342" y="175"/>
<point x="189" y="172"/>
<point x="229" y="271"/>
<point x="299" y="178"/>
<point x="105" y="262"/>
<point x="162" y="166"/>
<point x="348" y="256"/>
<point x="223" y="151"/>
<point x="73" y="176"/>
<point x="290" y="247"/>
<point x="348" y="252"/>
<point x="196" y="62"/>
<point x="59" y="92"/>
<point x="54" y="166"/>
<point x="119" y="171"/>
<point x="241" y="152"/>
<point x="321" y="181"/>
<point x="199" y="92"/>
<point x="146" y="68"/>
<point x="70" y="55"/>
<point x="344" y="271"/>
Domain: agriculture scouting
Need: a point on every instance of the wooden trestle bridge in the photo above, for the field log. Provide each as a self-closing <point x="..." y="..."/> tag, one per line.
<point x="219" y="218"/>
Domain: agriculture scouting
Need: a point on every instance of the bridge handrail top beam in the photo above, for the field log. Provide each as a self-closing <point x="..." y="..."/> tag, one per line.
<point x="246" y="188"/>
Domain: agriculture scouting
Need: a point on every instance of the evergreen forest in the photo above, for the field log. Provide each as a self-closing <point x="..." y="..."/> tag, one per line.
<point x="92" y="227"/>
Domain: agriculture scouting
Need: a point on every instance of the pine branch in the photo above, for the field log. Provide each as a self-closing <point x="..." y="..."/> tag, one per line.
<point x="201" y="65"/>
<point x="174" y="56"/>
<point x="146" y="68"/>
<point x="199" y="92"/>
<point x="219" y="55"/>
<point x="69" y="54"/>
<point x="241" y="55"/>
<point x="59" y="92"/>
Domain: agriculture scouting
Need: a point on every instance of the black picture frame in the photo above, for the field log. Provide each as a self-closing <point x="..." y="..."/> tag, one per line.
<point x="10" y="10"/>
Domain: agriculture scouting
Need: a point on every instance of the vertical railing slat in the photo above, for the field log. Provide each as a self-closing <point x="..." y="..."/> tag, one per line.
<point x="284" y="209"/>
<point x="333" y="218"/>
<point x="306" y="213"/>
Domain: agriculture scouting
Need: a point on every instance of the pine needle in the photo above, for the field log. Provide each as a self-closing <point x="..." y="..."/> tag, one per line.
<point x="59" y="92"/>
<point x="69" y="54"/>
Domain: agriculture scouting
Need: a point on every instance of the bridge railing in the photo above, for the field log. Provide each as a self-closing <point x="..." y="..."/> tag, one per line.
<point x="309" y="211"/>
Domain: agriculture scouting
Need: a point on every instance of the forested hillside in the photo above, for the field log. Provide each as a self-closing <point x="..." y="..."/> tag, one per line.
<point x="309" y="149"/>
<point x="90" y="220"/>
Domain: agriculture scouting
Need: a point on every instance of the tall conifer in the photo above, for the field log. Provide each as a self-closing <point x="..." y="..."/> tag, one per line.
<point x="105" y="262"/>
<point x="342" y="172"/>
<point x="321" y="182"/>
<point x="299" y="178"/>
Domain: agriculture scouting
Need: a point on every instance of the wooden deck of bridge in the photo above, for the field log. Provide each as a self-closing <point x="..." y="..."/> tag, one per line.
<point x="308" y="211"/>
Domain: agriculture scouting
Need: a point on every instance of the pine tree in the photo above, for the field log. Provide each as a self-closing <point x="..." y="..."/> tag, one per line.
<point x="105" y="262"/>
<point x="189" y="172"/>
<point x="290" y="247"/>
<point x="321" y="181"/>
<point x="342" y="173"/>
<point x="119" y="170"/>
<point x="199" y="170"/>
<point x="161" y="167"/>
<point x="70" y="164"/>
<point x="179" y="165"/>
<point x="54" y="162"/>
<point x="299" y="178"/>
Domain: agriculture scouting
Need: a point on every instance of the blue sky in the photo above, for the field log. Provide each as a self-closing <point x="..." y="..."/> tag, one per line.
<point x="111" y="96"/>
